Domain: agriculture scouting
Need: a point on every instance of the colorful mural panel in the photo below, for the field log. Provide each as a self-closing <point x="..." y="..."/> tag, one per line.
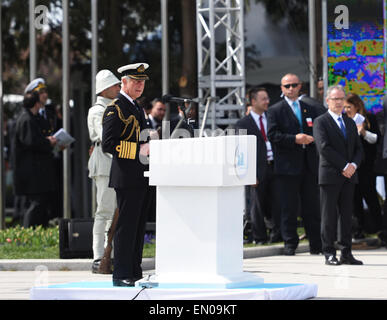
<point x="356" y="55"/>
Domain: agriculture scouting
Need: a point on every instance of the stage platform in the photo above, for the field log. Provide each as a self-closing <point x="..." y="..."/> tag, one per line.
<point x="104" y="290"/>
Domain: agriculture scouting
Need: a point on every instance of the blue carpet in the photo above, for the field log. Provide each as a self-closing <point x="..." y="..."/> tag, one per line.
<point x="109" y="285"/>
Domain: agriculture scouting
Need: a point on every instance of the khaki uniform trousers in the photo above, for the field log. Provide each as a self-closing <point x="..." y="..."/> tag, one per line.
<point x="106" y="205"/>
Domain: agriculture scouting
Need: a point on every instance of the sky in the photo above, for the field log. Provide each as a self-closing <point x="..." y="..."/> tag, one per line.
<point x="269" y="38"/>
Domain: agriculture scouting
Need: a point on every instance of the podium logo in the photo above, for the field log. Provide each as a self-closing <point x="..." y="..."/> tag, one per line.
<point x="240" y="161"/>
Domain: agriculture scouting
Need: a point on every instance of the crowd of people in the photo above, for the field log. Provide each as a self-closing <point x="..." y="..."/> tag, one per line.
<point x="316" y="163"/>
<point x="313" y="162"/>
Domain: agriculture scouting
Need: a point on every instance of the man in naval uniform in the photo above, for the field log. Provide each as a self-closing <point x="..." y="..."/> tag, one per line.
<point x="107" y="88"/>
<point x="123" y="121"/>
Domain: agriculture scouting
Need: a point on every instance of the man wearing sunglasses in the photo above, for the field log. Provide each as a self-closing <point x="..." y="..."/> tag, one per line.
<point x="290" y="131"/>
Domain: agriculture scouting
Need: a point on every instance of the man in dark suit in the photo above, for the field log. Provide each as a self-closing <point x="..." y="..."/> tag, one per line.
<point x="122" y="122"/>
<point x="290" y="131"/>
<point x="383" y="234"/>
<point x="340" y="151"/>
<point x="262" y="194"/>
<point x="385" y="126"/>
<point x="157" y="113"/>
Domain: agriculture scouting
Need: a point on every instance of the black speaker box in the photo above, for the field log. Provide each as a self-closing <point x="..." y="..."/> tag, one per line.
<point x="76" y="238"/>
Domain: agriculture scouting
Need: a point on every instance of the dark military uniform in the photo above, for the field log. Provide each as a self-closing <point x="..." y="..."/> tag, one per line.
<point x="33" y="168"/>
<point x="122" y="123"/>
<point x="48" y="124"/>
<point x="47" y="121"/>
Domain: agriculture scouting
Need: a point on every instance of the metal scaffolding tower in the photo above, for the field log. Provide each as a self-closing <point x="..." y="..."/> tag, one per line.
<point x="221" y="61"/>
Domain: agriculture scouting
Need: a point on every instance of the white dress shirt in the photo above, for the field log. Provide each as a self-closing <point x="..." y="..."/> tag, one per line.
<point x="264" y="121"/>
<point x="153" y="121"/>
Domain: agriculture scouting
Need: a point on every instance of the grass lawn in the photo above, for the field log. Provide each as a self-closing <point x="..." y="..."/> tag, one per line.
<point x="28" y="252"/>
<point x="39" y="243"/>
<point x="11" y="251"/>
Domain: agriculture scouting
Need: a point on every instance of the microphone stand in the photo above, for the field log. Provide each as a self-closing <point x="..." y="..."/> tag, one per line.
<point x="209" y="99"/>
<point x="184" y="118"/>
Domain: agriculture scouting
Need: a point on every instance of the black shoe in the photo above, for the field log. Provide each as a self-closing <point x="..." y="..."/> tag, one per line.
<point x="275" y="237"/>
<point x="350" y="259"/>
<point x="259" y="242"/>
<point x="95" y="266"/>
<point x="382" y="235"/>
<point x="359" y="235"/>
<point x="315" y="251"/>
<point x="123" y="283"/>
<point x="331" y="260"/>
<point x="289" y="251"/>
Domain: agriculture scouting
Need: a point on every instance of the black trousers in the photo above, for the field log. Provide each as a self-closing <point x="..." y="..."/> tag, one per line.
<point x="37" y="211"/>
<point x="152" y="204"/>
<point x="299" y="195"/>
<point x="366" y="189"/>
<point x="130" y="231"/>
<point x="264" y="203"/>
<point x="384" y="224"/>
<point x="336" y="204"/>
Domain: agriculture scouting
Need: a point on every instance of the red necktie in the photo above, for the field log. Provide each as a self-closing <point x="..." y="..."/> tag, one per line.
<point x="262" y="128"/>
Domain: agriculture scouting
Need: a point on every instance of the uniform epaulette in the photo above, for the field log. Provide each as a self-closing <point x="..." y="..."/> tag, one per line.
<point x="113" y="103"/>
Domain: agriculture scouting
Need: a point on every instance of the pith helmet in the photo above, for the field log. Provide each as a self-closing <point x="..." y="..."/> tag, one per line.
<point x="105" y="79"/>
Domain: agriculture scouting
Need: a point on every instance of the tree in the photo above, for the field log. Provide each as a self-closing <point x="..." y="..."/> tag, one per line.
<point x="125" y="30"/>
<point x="295" y="14"/>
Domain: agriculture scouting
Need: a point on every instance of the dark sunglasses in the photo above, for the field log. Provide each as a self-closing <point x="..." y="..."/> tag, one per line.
<point x="293" y="85"/>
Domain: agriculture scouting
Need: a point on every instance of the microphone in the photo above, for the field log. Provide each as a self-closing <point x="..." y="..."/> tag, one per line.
<point x="167" y="98"/>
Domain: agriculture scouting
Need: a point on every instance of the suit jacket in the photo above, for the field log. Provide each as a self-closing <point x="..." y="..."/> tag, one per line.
<point x="384" y="154"/>
<point x="250" y="125"/>
<point x="380" y="166"/>
<point x="291" y="158"/>
<point x="369" y="149"/>
<point x="33" y="162"/>
<point x="335" y="151"/>
<point x="314" y="103"/>
<point x="122" y="123"/>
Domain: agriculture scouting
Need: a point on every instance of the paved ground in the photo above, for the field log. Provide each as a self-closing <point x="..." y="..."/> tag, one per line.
<point x="334" y="282"/>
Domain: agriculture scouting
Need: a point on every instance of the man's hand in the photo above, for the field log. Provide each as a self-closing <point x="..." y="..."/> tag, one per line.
<point x="144" y="149"/>
<point x="349" y="171"/>
<point x="303" y="138"/>
<point x="52" y="140"/>
<point x="91" y="149"/>
<point x="154" y="135"/>
<point x="255" y="185"/>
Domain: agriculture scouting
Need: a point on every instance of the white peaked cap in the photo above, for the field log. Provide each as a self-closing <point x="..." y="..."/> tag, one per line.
<point x="35" y="84"/>
<point x="134" y="71"/>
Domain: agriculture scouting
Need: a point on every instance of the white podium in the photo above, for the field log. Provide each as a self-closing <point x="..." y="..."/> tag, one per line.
<point x="199" y="210"/>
